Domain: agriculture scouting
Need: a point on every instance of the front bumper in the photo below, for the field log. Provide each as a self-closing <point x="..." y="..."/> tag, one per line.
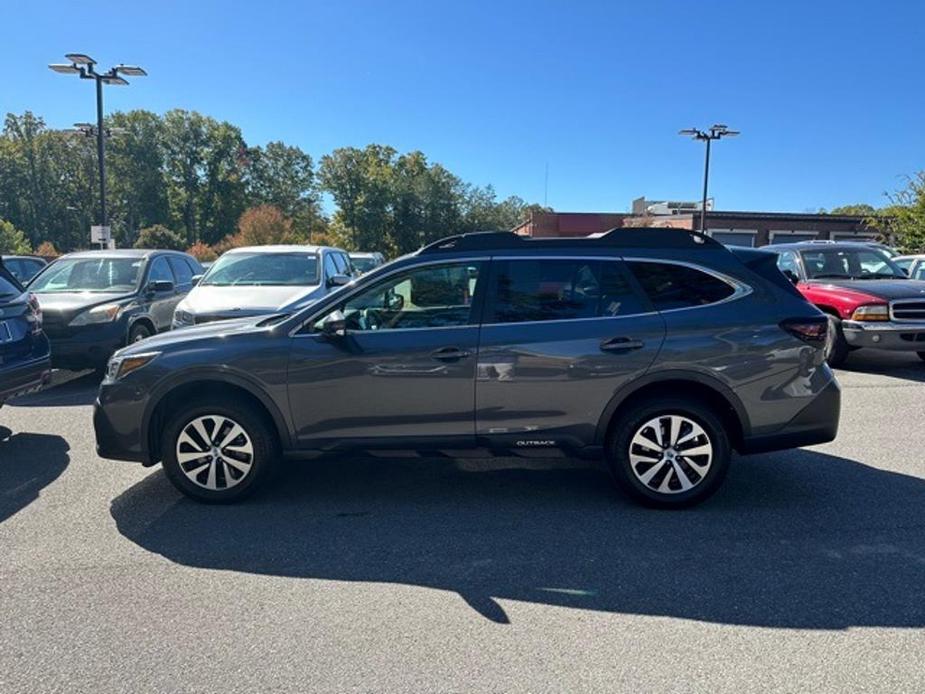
<point x="897" y="337"/>
<point x="86" y="347"/>
<point x="816" y="423"/>
<point x="117" y="417"/>
<point x="27" y="377"/>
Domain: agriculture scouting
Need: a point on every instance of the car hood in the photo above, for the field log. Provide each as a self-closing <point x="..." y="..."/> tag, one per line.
<point x="182" y="336"/>
<point x="207" y="299"/>
<point x="62" y="306"/>
<point x="883" y="289"/>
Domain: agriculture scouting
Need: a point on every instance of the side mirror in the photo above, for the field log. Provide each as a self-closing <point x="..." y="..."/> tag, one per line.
<point x="339" y="280"/>
<point x="335" y="325"/>
<point x="792" y="276"/>
<point x="196" y="279"/>
<point x="160" y="286"/>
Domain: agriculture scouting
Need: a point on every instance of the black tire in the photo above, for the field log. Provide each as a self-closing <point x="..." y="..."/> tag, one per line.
<point x="837" y="348"/>
<point x="627" y="475"/>
<point x="137" y="332"/>
<point x="257" y="430"/>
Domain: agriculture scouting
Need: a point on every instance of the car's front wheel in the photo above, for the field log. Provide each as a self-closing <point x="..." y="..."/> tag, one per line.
<point x="669" y="452"/>
<point x="836" y="346"/>
<point x="218" y="451"/>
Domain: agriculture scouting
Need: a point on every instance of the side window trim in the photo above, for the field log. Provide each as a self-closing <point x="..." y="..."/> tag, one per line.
<point x="740" y="289"/>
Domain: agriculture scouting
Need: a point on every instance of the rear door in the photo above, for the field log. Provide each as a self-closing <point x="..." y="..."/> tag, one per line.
<point x="559" y="337"/>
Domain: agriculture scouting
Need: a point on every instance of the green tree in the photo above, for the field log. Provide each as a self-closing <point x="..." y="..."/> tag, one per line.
<point x="159" y="236"/>
<point x="12" y="240"/>
<point x="904" y="218"/>
<point x="284" y="176"/>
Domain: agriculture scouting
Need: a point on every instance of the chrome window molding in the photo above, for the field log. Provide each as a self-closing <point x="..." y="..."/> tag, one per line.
<point x="739" y="288"/>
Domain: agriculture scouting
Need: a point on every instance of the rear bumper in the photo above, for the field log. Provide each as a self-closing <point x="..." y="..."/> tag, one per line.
<point x="897" y="337"/>
<point x="20" y="379"/>
<point x="815" y="423"/>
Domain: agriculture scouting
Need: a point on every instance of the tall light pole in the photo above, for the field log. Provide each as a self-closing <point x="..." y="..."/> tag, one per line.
<point x="85" y="67"/>
<point x="716" y="132"/>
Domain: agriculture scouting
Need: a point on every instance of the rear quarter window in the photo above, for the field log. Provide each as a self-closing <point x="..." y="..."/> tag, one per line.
<point x="671" y="286"/>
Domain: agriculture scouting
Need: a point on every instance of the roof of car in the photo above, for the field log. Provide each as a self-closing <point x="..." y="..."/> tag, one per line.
<point x="22" y="256"/>
<point x="120" y="253"/>
<point x="281" y="248"/>
<point x="808" y="245"/>
<point x="364" y="254"/>
<point x="622" y="237"/>
<point x="910" y="256"/>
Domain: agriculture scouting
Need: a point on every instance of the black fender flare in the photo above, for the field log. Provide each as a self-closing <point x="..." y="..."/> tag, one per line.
<point x="217" y="374"/>
<point x="695" y="377"/>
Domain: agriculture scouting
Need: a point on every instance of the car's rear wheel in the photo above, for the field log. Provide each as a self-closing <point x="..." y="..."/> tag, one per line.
<point x="836" y="346"/>
<point x="669" y="452"/>
<point x="218" y="452"/>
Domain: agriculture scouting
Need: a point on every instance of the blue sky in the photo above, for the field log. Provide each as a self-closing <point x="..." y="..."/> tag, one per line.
<point x="830" y="96"/>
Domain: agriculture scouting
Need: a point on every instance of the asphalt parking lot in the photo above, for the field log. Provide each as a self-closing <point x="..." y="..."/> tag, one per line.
<point x="805" y="572"/>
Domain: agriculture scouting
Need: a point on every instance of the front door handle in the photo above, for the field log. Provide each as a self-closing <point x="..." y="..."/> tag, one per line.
<point x="450" y="354"/>
<point x="621" y="344"/>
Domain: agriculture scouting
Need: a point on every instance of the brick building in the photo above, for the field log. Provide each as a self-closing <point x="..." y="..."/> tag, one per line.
<point x="729" y="227"/>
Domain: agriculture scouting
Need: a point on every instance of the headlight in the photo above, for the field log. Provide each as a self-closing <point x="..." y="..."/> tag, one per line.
<point x="871" y="312"/>
<point x="120" y="367"/>
<point x="99" y="314"/>
<point x="183" y="318"/>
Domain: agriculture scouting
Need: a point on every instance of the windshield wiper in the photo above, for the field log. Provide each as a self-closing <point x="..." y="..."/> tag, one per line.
<point x="832" y="275"/>
<point x="881" y="276"/>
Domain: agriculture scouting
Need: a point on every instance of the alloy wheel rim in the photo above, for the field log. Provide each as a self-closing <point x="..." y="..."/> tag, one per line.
<point x="670" y="454"/>
<point x="214" y="452"/>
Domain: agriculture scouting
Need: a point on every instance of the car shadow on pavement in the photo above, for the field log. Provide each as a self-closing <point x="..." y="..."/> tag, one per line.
<point x="902" y="365"/>
<point x="28" y="463"/>
<point x="67" y="389"/>
<point x="793" y="540"/>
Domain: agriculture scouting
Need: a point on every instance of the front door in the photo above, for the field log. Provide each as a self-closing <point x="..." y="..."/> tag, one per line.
<point x="403" y="372"/>
<point x="559" y="338"/>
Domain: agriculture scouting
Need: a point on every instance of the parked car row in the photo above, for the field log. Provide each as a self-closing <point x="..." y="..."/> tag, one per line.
<point x="95" y="302"/>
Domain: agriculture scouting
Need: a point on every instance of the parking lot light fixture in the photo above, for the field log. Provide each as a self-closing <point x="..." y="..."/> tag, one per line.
<point x="84" y="66"/>
<point x="715" y="132"/>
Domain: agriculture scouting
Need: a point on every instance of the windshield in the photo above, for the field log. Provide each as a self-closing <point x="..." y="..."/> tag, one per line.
<point x="263" y="269"/>
<point x="850" y="263"/>
<point x="364" y="264"/>
<point x="89" y="275"/>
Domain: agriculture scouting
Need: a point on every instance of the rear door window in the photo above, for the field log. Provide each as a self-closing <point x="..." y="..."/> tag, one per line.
<point x="182" y="271"/>
<point x="671" y="286"/>
<point x="536" y="289"/>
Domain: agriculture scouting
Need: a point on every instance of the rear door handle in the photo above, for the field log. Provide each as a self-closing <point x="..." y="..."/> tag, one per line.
<point x="450" y="354"/>
<point x="621" y="344"/>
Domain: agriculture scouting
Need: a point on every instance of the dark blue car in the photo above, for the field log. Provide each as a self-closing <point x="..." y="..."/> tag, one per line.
<point x="25" y="358"/>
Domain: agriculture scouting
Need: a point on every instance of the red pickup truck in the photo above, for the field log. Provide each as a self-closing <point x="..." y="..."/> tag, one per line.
<point x="869" y="299"/>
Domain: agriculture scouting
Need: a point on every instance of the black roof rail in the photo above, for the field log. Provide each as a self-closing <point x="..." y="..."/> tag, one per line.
<point x="626" y="237"/>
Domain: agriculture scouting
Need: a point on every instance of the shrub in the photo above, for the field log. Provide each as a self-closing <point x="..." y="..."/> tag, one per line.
<point x="159" y="236"/>
<point x="12" y="240"/>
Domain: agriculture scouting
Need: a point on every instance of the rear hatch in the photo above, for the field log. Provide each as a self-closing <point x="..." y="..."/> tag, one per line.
<point x="16" y="321"/>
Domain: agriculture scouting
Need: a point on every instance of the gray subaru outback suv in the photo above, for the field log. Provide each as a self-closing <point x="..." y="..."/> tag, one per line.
<point x="659" y="351"/>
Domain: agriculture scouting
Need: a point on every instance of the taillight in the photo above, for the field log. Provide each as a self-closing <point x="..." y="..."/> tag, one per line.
<point x="34" y="317"/>
<point x="812" y="331"/>
<point x="871" y="312"/>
